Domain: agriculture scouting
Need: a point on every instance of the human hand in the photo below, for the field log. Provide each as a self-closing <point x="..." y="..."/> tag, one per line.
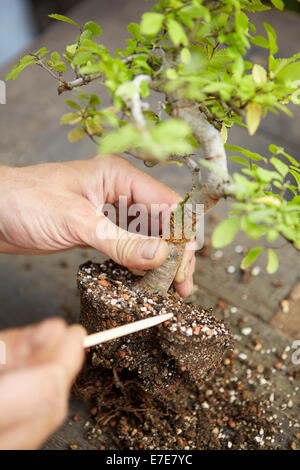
<point x="41" y="364"/>
<point x="52" y="207"/>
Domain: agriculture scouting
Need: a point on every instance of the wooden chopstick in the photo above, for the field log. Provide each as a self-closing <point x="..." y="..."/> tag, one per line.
<point x="103" y="336"/>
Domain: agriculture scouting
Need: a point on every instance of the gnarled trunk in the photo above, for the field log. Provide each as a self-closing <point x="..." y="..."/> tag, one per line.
<point x="161" y="278"/>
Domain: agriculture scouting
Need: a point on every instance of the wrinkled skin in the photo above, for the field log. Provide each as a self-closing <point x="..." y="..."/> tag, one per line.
<point x="49" y="208"/>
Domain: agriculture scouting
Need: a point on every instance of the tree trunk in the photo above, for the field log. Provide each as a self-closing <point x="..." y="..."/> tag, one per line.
<point x="181" y="230"/>
<point x="161" y="278"/>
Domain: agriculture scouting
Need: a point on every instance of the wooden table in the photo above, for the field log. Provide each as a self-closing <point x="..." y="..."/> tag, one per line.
<point x="33" y="288"/>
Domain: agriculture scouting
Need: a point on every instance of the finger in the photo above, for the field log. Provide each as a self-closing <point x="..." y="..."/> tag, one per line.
<point x="34" y="392"/>
<point x="32" y="344"/>
<point x="10" y="249"/>
<point x="188" y="254"/>
<point x="128" y="249"/>
<point x="70" y="355"/>
<point x="42" y="390"/>
<point x="30" y="435"/>
<point x="185" y="288"/>
<point x="136" y="185"/>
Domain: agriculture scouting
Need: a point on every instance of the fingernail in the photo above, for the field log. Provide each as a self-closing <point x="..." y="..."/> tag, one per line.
<point x="149" y="248"/>
<point x="182" y="272"/>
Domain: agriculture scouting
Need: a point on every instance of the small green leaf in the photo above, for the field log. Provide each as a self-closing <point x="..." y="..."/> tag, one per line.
<point x="17" y="69"/>
<point x="185" y="55"/>
<point x="260" y="41"/>
<point x="55" y="57"/>
<point x="273" y="262"/>
<point x="93" y="27"/>
<point x="120" y="140"/>
<point x="171" y="74"/>
<point x="177" y="33"/>
<point x="240" y="160"/>
<point x="60" y="67"/>
<point x="82" y="57"/>
<point x="73" y="104"/>
<point x="92" y="68"/>
<point x="63" y="18"/>
<point x="251" y="256"/>
<point x="259" y="75"/>
<point x="151" y="23"/>
<point x="70" y="118"/>
<point x="94" y="100"/>
<point x="272" y="38"/>
<point x="225" y="232"/>
<point x="76" y="135"/>
<point x="278" y="4"/>
<point x="281" y="167"/>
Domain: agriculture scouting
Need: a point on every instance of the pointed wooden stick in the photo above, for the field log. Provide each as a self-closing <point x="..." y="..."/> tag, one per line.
<point x="103" y="336"/>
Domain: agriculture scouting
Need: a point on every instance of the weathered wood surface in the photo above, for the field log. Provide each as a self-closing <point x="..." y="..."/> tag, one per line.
<point x="33" y="288"/>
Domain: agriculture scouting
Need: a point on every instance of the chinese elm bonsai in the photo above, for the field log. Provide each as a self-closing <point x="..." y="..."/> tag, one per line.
<point x="194" y="53"/>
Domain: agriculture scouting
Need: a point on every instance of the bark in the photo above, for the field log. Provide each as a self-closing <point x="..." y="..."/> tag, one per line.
<point x="180" y="231"/>
<point x="161" y="278"/>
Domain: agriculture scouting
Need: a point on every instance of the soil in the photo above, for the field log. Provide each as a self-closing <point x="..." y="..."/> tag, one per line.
<point x="222" y="414"/>
<point x="189" y="347"/>
<point x="233" y="409"/>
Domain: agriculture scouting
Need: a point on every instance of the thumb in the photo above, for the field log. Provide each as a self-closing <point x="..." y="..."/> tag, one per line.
<point x="128" y="249"/>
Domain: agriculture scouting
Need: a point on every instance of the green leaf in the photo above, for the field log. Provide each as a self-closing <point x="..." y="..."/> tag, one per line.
<point x="73" y="104"/>
<point x="151" y="23"/>
<point x="273" y="262"/>
<point x="185" y="55"/>
<point x="297" y="177"/>
<point x="76" y="135"/>
<point x="82" y="57"/>
<point x="17" y="69"/>
<point x="177" y="33"/>
<point x="225" y="232"/>
<point x="259" y="75"/>
<point x="171" y="74"/>
<point x="94" y="100"/>
<point x="93" y="27"/>
<point x="289" y="72"/>
<point x="240" y="160"/>
<point x="252" y="155"/>
<point x="172" y="136"/>
<point x="260" y="41"/>
<point x="280" y="150"/>
<point x="278" y="4"/>
<point x="55" y="57"/>
<point x="272" y="38"/>
<point x="63" y="18"/>
<point x="70" y="118"/>
<point x="135" y="30"/>
<point x="60" y="67"/>
<point x="272" y="235"/>
<point x="281" y="167"/>
<point x="251" y="229"/>
<point x="92" y="68"/>
<point x="121" y="140"/>
<point x="251" y="256"/>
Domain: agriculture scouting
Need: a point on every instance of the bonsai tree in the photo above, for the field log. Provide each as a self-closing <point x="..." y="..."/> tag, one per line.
<point x="194" y="53"/>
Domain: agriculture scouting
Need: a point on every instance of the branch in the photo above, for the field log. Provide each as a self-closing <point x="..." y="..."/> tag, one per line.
<point x="81" y="81"/>
<point x="217" y="183"/>
<point x="137" y="106"/>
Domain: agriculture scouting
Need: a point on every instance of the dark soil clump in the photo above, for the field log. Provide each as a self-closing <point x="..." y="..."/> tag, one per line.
<point x="223" y="414"/>
<point x="187" y="348"/>
<point x="145" y="390"/>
